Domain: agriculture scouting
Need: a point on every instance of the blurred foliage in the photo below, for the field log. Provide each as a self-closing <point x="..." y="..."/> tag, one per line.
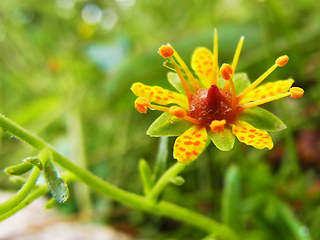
<point x="73" y="61"/>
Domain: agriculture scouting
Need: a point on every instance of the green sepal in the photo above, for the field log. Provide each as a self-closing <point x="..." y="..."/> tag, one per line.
<point x="224" y="141"/>
<point x="262" y="119"/>
<point x="168" y="125"/>
<point x="175" y="81"/>
<point x="34" y="161"/>
<point x="240" y="80"/>
<point x="18" y="169"/>
<point x="58" y="188"/>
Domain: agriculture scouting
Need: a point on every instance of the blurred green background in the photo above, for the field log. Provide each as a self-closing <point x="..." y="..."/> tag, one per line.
<point x="66" y="67"/>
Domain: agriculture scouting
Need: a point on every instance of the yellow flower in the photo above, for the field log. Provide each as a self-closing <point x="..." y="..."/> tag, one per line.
<point x="211" y="103"/>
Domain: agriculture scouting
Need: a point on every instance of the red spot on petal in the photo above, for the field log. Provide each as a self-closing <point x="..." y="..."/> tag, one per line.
<point x="187" y="137"/>
<point x="194" y="133"/>
<point x="182" y="149"/>
<point x="166" y="99"/>
<point x="251" y="136"/>
<point x="195" y="153"/>
<point x="161" y="92"/>
<point x="188" y="153"/>
<point x="196" y="143"/>
<point x="158" y="98"/>
<point x="198" y="135"/>
<point x="252" y="130"/>
<point x="188" y="143"/>
<point x="242" y="138"/>
<point x="171" y="97"/>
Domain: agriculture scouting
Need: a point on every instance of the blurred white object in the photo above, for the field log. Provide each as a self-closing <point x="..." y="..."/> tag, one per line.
<point x="36" y="223"/>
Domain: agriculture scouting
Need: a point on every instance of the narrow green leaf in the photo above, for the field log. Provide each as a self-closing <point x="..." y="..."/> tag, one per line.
<point x="231" y="201"/>
<point x="167" y="125"/>
<point x="223" y="141"/>
<point x="297" y="229"/>
<point x="34" y="161"/>
<point x="146" y="176"/>
<point x="18" y="169"/>
<point x="50" y="204"/>
<point x="261" y="119"/>
<point x="178" y="180"/>
<point x="162" y="158"/>
<point x="175" y="81"/>
<point x="58" y="188"/>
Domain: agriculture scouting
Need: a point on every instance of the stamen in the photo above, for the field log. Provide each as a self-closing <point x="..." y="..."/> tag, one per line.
<point x="296" y="92"/>
<point x="166" y="51"/>
<point x="263" y="101"/>
<point x="159" y="108"/>
<point x="215" y="67"/>
<point x="177" y="111"/>
<point x="181" y="113"/>
<point x="183" y="81"/>
<point x="217" y="125"/>
<point x="235" y="61"/>
<point x="142" y="104"/>
<point x="226" y="73"/>
<point x="280" y="62"/>
<point x="185" y="68"/>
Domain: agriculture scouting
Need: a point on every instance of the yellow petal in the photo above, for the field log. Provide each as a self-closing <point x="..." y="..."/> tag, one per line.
<point x="268" y="90"/>
<point x="190" y="144"/>
<point x="202" y="64"/>
<point x="251" y="135"/>
<point x="159" y="95"/>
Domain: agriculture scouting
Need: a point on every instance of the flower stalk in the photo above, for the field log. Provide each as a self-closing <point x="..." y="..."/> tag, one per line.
<point x="127" y="198"/>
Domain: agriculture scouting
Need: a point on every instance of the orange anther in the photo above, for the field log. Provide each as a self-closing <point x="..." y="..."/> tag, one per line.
<point x="226" y="71"/>
<point x="166" y="51"/>
<point x="142" y="104"/>
<point x="281" y="61"/>
<point x="296" y="92"/>
<point x="177" y="112"/>
<point x="217" y="125"/>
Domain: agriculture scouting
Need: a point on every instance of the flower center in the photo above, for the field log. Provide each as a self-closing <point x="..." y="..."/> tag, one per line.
<point x="211" y="104"/>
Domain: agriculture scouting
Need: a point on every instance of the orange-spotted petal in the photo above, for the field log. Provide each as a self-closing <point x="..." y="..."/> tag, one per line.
<point x="202" y="64"/>
<point x="159" y="95"/>
<point x="251" y="135"/>
<point x="190" y="144"/>
<point x="268" y="90"/>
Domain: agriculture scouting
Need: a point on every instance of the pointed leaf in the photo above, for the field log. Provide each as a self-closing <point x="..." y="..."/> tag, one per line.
<point x="262" y="119"/>
<point x="161" y="159"/>
<point x="58" y="188"/>
<point x="178" y="180"/>
<point x="223" y="141"/>
<point x="168" y="125"/>
<point x="175" y="81"/>
<point x="18" y="169"/>
<point x="146" y="176"/>
<point x="231" y="207"/>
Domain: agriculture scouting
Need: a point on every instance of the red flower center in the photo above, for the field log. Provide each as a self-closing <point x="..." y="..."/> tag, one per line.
<point x="211" y="104"/>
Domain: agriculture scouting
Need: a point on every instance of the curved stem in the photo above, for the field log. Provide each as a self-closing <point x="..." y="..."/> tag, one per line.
<point x="124" y="197"/>
<point x="165" y="179"/>
<point x="22" y="193"/>
<point x="25" y="202"/>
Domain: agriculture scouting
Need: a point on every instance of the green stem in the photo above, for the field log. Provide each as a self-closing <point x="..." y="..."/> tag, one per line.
<point x="124" y="197"/>
<point x="22" y="193"/>
<point x="25" y="202"/>
<point x="165" y="179"/>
